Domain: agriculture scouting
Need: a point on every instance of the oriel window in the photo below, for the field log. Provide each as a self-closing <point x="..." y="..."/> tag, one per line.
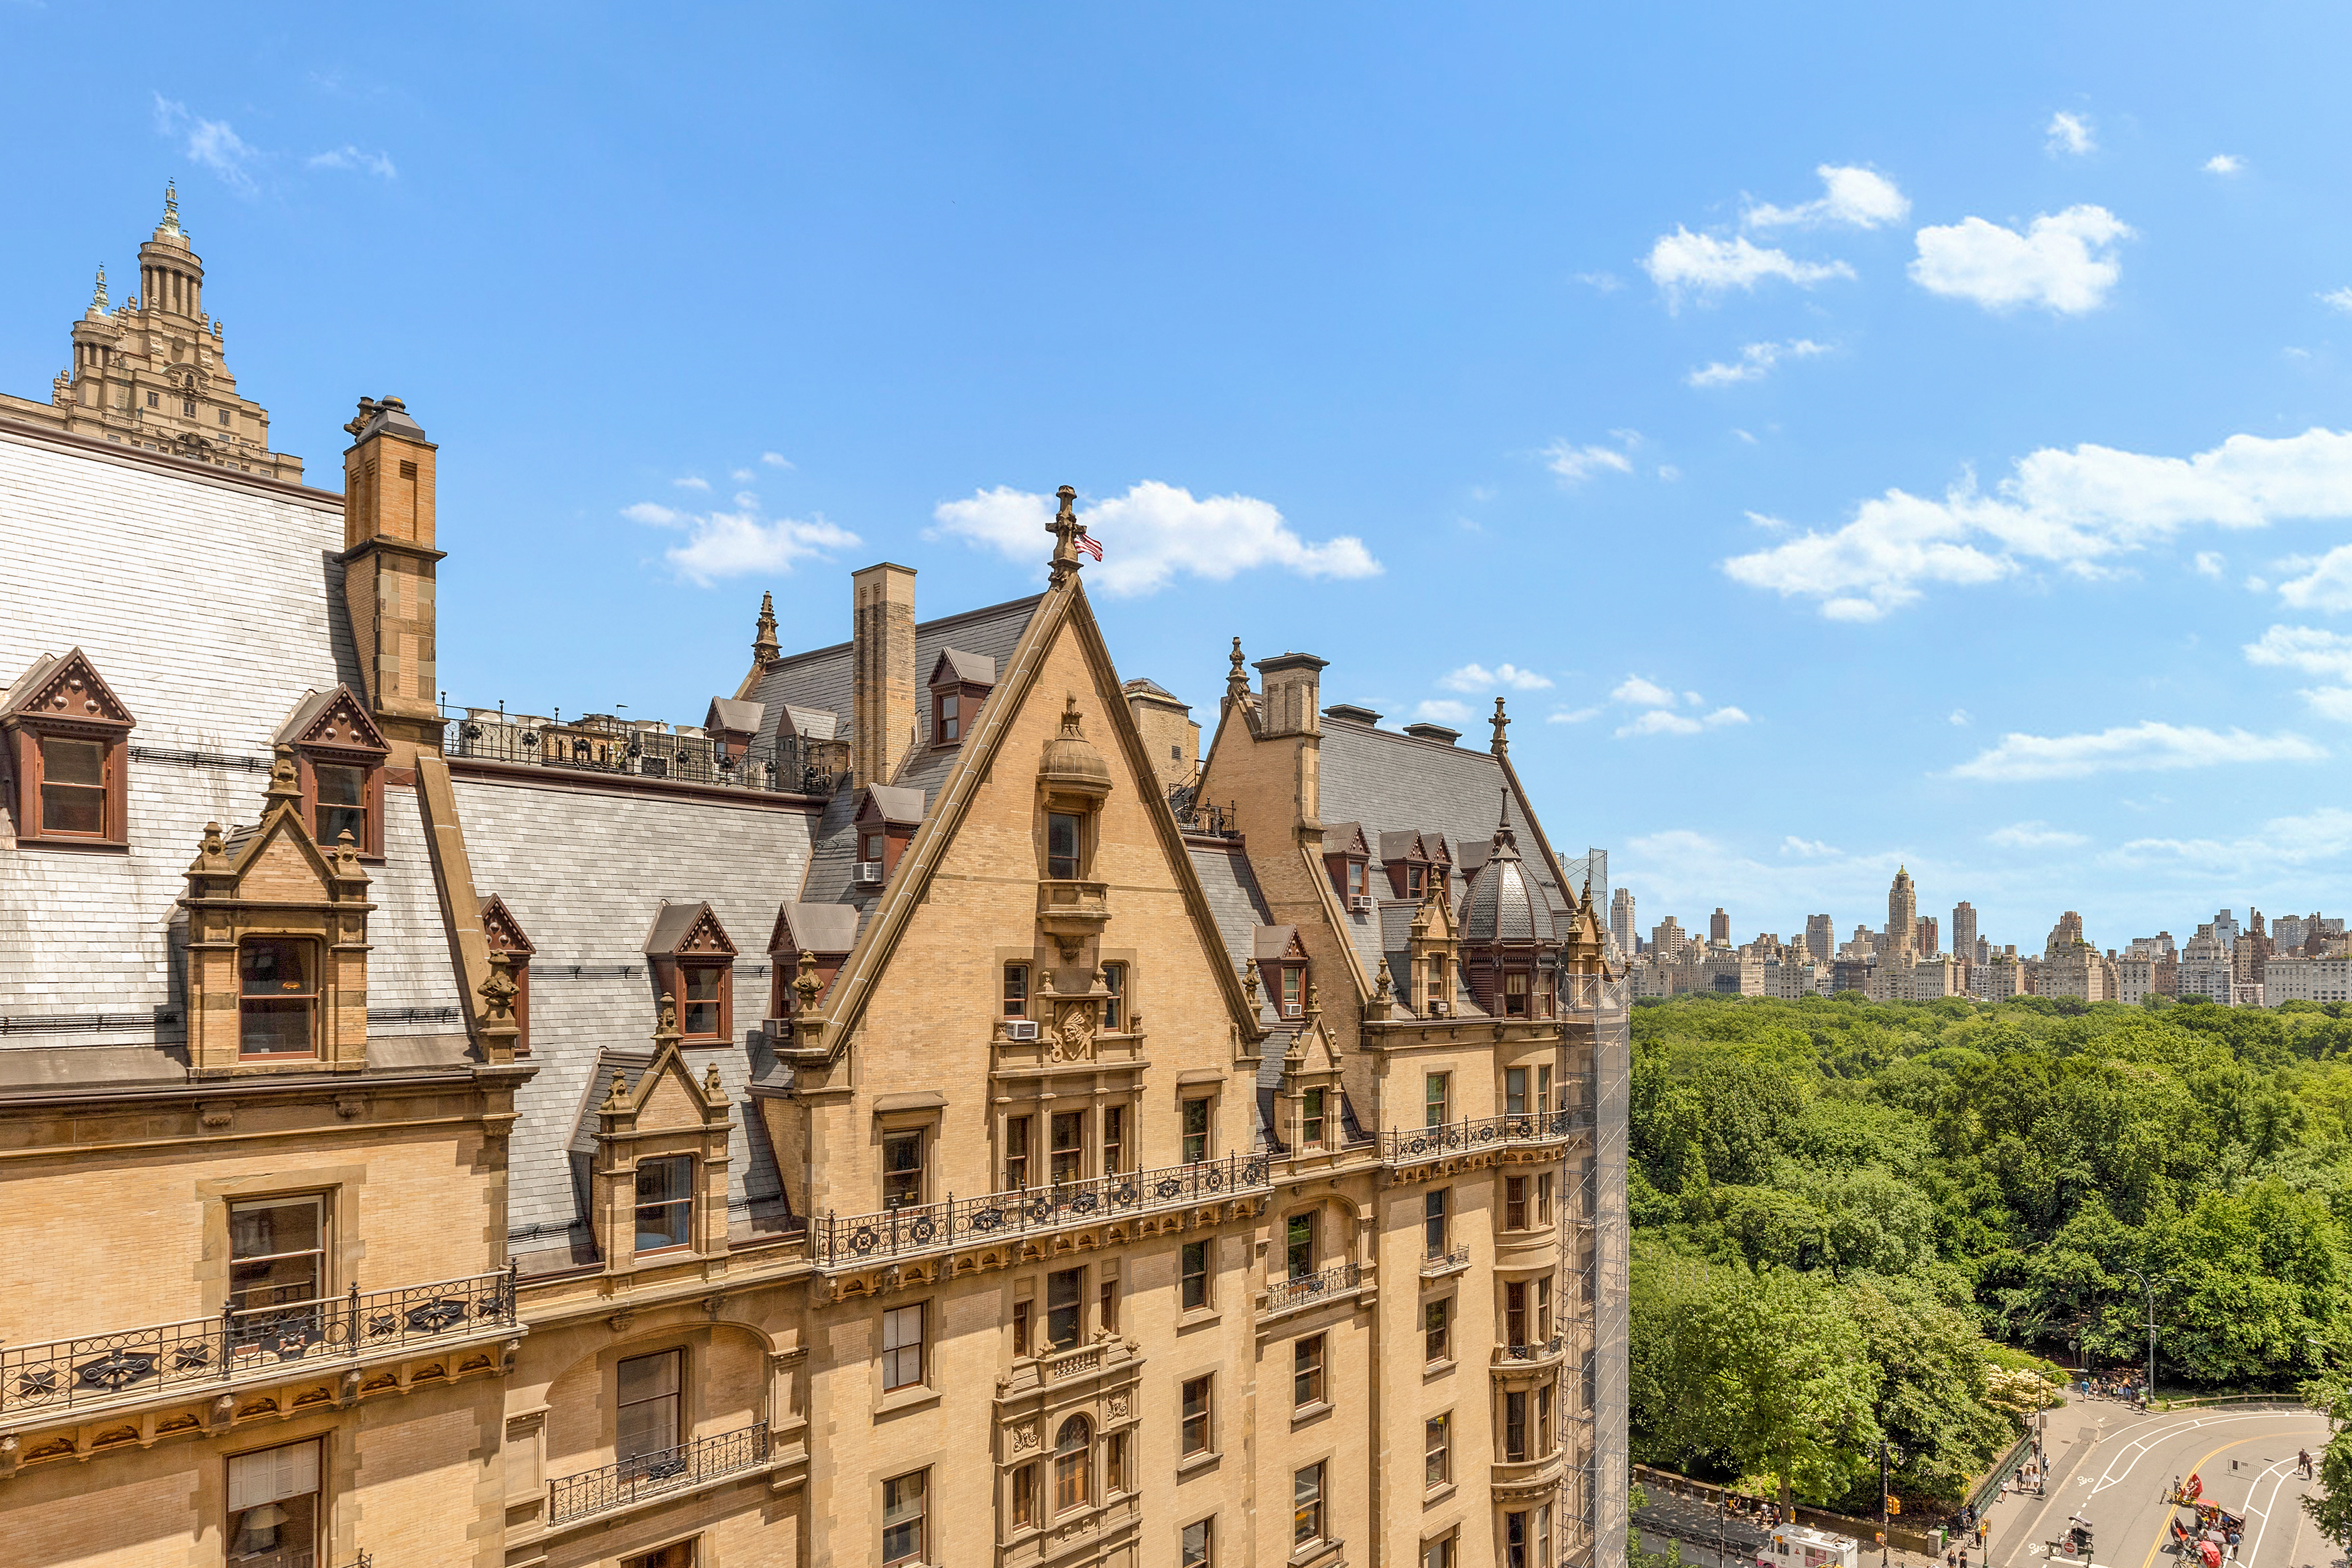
<point x="278" y="998"/>
<point x="1062" y="842"/>
<point x="1515" y="1202"/>
<point x="73" y="786"/>
<point x="1515" y="1313"/>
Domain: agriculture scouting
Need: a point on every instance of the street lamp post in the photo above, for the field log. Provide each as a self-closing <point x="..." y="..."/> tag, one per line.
<point x="2148" y="1287"/>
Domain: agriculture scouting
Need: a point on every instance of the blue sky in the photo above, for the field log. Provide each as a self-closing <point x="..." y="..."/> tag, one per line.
<point x="1848" y="437"/>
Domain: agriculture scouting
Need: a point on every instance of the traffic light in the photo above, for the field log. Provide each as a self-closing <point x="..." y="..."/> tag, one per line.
<point x="1893" y="1504"/>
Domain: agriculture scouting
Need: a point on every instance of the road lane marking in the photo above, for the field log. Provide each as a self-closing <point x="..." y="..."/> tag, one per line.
<point x="2198" y="1468"/>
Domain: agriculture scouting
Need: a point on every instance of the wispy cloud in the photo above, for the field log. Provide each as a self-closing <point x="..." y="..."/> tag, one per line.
<point x="1478" y="677"/>
<point x="1854" y="196"/>
<point x="720" y="544"/>
<point x="1576" y="464"/>
<point x="1570" y="715"/>
<point x="2284" y="841"/>
<point x="775" y="459"/>
<point x="1809" y="848"/>
<point x="2225" y="164"/>
<point x="2146" y="747"/>
<point x="2323" y="584"/>
<point x="2337" y="299"/>
<point x="1683" y="265"/>
<point x="1754" y="363"/>
<point x="691" y="482"/>
<point x="1442" y="710"/>
<point x="2063" y="262"/>
<point x="209" y="144"/>
<point x="349" y="157"/>
<point x="2209" y="564"/>
<point x="1643" y="692"/>
<point x="2036" y="834"/>
<point x="2071" y="134"/>
<point x="1665" y="721"/>
<point x="2313" y="651"/>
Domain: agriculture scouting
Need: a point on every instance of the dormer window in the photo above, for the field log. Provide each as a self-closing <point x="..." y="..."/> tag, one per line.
<point x="1515" y="994"/>
<point x="342" y="802"/>
<point x="278" y="998"/>
<point x="950" y="725"/>
<point x="1294" y="980"/>
<point x="959" y="684"/>
<point x="340" y="755"/>
<point x="693" y="964"/>
<point x="64" y="745"/>
<point x="886" y="824"/>
<point x="1347" y="855"/>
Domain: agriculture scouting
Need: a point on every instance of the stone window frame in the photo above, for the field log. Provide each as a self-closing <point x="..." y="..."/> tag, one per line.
<point x="621" y="1143"/>
<point x="66" y="699"/>
<point x="314" y="966"/>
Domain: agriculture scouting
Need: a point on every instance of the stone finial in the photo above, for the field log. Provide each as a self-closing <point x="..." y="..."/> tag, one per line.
<point x="498" y="990"/>
<point x="617" y="1097"/>
<point x="1237" y="686"/>
<point x="1501" y="722"/>
<point x="711" y="1088"/>
<point x="214" y="850"/>
<point x="806" y="987"/>
<point x="347" y="853"/>
<point x="285" y="782"/>
<point x="1250" y="982"/>
<point x="1066" y="531"/>
<point x="170" y="221"/>
<point x="1383" y="986"/>
<point x="763" y="646"/>
<point x="666" y="1031"/>
<point x="98" y="294"/>
<point x="1314" y="998"/>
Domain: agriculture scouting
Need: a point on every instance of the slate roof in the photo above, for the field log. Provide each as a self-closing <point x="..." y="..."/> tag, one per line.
<point x="820" y="928"/>
<point x="734" y="713"/>
<point x="972" y="668"/>
<point x="820" y="678"/>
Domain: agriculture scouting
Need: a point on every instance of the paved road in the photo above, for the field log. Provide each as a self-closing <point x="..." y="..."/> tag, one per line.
<point x="2113" y="1465"/>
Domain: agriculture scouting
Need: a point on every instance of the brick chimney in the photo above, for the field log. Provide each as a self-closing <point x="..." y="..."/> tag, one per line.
<point x="388" y="569"/>
<point x="882" y="661"/>
<point x="1289" y="706"/>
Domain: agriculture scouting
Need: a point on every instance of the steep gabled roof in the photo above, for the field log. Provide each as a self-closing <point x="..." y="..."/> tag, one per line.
<point x="335" y="717"/>
<point x="813" y="928"/>
<point x="955" y="665"/>
<point x="50" y="690"/>
<point x="681" y="929"/>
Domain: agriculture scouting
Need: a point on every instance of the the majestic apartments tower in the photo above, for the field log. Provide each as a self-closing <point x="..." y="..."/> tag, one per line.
<point x="922" y="1113"/>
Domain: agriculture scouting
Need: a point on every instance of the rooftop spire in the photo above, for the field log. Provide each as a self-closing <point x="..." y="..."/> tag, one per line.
<point x="98" y="293"/>
<point x="1066" y="531"/>
<point x="1502" y="743"/>
<point x="1237" y="679"/>
<point x="169" y="223"/>
<point x="763" y="646"/>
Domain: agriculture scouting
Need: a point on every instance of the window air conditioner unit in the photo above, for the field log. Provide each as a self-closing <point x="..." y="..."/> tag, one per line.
<point x="1290" y="1009"/>
<point x="1361" y="903"/>
<point x="869" y="873"/>
<point x="1020" y="1029"/>
<point x="1438" y="1009"/>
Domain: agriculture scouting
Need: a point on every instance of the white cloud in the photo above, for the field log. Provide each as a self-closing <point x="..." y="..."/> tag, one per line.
<point x="1575" y="464"/>
<point x="2034" y="836"/>
<point x="1754" y="363"/>
<point x="2063" y="261"/>
<point x="1683" y="262"/>
<point x="1959" y="716"/>
<point x="1152" y="534"/>
<point x="652" y="512"/>
<point x="2146" y="747"/>
<point x="1811" y="849"/>
<point x="1669" y="473"/>
<point x="1443" y="710"/>
<point x="2340" y="299"/>
<point x="210" y="143"/>
<point x="2210" y="564"/>
<point x="742" y="475"/>
<point x="775" y="459"/>
<point x="2070" y="133"/>
<point x="2225" y="164"/>
<point x="691" y="482"/>
<point x="349" y="157"/>
<point x="2322" y="834"/>
<point x="2325" y="654"/>
<point x="1570" y="715"/>
<point x="1863" y="198"/>
<point x="2325" y="583"/>
<point x="1665" y="721"/>
<point x="1644" y="693"/>
<point x="733" y="543"/>
<point x="1478" y="677"/>
<point x="1751" y="441"/>
<point x="1606" y="282"/>
<point x="1725" y="715"/>
<point x="2073" y="510"/>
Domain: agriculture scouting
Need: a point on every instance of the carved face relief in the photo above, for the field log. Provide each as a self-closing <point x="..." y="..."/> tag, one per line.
<point x="1073" y="1032"/>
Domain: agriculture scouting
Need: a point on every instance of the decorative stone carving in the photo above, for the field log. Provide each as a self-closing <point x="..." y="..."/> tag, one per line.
<point x="1073" y="1032"/>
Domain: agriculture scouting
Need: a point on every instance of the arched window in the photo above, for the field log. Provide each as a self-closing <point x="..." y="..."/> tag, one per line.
<point x="1073" y="1464"/>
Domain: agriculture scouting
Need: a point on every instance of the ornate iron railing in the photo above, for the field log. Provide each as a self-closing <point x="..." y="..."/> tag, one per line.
<point x="625" y="1481"/>
<point x="1541" y="1351"/>
<point x="851" y="1241"/>
<point x="1433" y="1261"/>
<point x="1284" y="1294"/>
<point x="789" y="764"/>
<point x="1415" y="1145"/>
<point x="68" y="1374"/>
<point x="1196" y="815"/>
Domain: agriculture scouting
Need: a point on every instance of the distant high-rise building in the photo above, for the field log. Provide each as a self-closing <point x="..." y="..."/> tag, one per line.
<point x="1983" y="951"/>
<point x="1718" y="927"/>
<point x="1620" y="921"/>
<point x="1925" y="933"/>
<point x="1821" y="937"/>
<point x="2225" y="929"/>
<point x="1667" y="940"/>
<point x="1964" y="929"/>
<point x="2063" y="937"/>
<point x="1902" y="916"/>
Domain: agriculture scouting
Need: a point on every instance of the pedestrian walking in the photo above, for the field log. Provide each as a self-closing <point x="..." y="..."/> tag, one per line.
<point x="2303" y="1463"/>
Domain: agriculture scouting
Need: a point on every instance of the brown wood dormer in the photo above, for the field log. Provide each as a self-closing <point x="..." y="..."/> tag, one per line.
<point x="960" y="683"/>
<point x="65" y="745"/>
<point x="825" y="933"/>
<point x="1412" y="859"/>
<point x="1281" y="960"/>
<point x="503" y="934"/>
<point x="692" y="962"/>
<point x="339" y="756"/>
<point x="1348" y="856"/>
<point x="885" y="823"/>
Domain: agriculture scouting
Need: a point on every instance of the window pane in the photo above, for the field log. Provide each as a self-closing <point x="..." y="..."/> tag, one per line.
<point x="73" y="761"/>
<point x="73" y="791"/>
<point x="1196" y="1131"/>
<point x="1307" y="1505"/>
<point x="282" y="1534"/>
<point x="274" y="967"/>
<point x="902" y="1517"/>
<point x="665" y="1203"/>
<point x="277" y="1252"/>
<point x="1016" y="990"/>
<point x="274" y="1030"/>
<point x="1061" y="844"/>
<point x="902" y="1170"/>
<point x="1069" y="1145"/>
<point x="1299" y="1246"/>
<point x="1196" y="1275"/>
<point x="1065" y="1300"/>
<point x="1196" y="1547"/>
<point x="1434" y="1098"/>
<point x="1514" y="1091"/>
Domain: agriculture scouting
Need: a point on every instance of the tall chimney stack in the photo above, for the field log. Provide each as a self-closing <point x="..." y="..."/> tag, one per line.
<point x="388" y="573"/>
<point x="882" y="659"/>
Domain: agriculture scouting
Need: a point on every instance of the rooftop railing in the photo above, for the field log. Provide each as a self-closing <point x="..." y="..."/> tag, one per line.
<point x="61" y="1375"/>
<point x="644" y="1475"/>
<point x="851" y="1241"/>
<point x="1197" y="815"/>
<point x="599" y="743"/>
<point x="1415" y="1145"/>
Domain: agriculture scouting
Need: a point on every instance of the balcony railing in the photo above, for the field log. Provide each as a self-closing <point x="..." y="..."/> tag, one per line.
<point x="649" y="1475"/>
<point x="1196" y="815"/>
<point x="1435" y="1261"/>
<point x="1542" y="1349"/>
<point x="62" y="1375"/>
<point x="1284" y="1294"/>
<point x="788" y="765"/>
<point x="1415" y="1145"/>
<point x="851" y="1241"/>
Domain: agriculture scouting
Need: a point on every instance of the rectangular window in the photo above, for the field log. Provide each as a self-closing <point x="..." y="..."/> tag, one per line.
<point x="1515" y="994"/>
<point x="1196" y="1129"/>
<point x="1515" y="1202"/>
<point x="1355" y="878"/>
<point x="1413" y="881"/>
<point x="1433" y="1226"/>
<point x="1437" y="1323"/>
<point x="1543" y="1309"/>
<point x="1543" y="1198"/>
<point x="278" y="1251"/>
<point x="187" y="408"/>
<point x="902" y="1169"/>
<point x="1107" y="1307"/>
<point x="273" y="1507"/>
<point x="1543" y="1090"/>
<point x="1060" y="845"/>
<point x="1114" y="1152"/>
<point x="1515" y="1427"/>
<point x="1066" y="1305"/>
<point x="1114" y="1010"/>
<point x="1197" y="1435"/>
<point x="278" y="998"/>
<point x="1074" y="1465"/>
<point x="1515" y="1313"/>
<point x="1115" y="1464"/>
<point x="1016" y="990"/>
<point x="1299" y="1246"/>
<point x="1069" y="1146"/>
<point x="1437" y="1453"/>
<point x="676" y="1554"/>
<point x="1195" y="1276"/>
<point x="155" y="400"/>
<point x="343" y="804"/>
<point x="1543" y="1536"/>
<point x="647" y="1399"/>
<point x="1306" y="1372"/>
<point x="1440" y="1554"/>
<point x="1293" y="980"/>
<point x="1310" y="1120"/>
<point x="1436" y="1098"/>
<point x="697" y="1017"/>
<point x="950" y="717"/>
<point x="73" y="786"/>
<point x="902" y="1347"/>
<point x="1514" y="1091"/>
<point x="1016" y="1153"/>
<point x="1543" y="1420"/>
<point x="873" y="847"/>
<point x="1515" y="1540"/>
<point x="1307" y="1506"/>
<point x="223" y="417"/>
<point x="1020" y="1328"/>
<point x="664" y="1202"/>
<point x="1025" y="1497"/>
<point x="1198" y="1545"/>
<point x="903" y="1518"/>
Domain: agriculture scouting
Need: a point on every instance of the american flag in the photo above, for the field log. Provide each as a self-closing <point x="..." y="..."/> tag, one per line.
<point x="1090" y="546"/>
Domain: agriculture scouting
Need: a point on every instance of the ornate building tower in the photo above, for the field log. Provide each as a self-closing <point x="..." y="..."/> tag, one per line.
<point x="149" y="373"/>
<point x="1902" y="916"/>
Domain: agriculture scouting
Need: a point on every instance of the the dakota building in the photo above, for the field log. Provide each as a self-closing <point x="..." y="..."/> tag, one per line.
<point x="922" y="1113"/>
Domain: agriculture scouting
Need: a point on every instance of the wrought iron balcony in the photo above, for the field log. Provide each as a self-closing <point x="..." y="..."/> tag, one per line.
<point x="243" y="1344"/>
<point x="1415" y="1145"/>
<point x="1284" y="1294"/>
<point x="853" y="1241"/>
<point x="649" y="1475"/>
<point x="1540" y="1352"/>
<point x="1434" y="1262"/>
<point x="1195" y="815"/>
<point x="599" y="743"/>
